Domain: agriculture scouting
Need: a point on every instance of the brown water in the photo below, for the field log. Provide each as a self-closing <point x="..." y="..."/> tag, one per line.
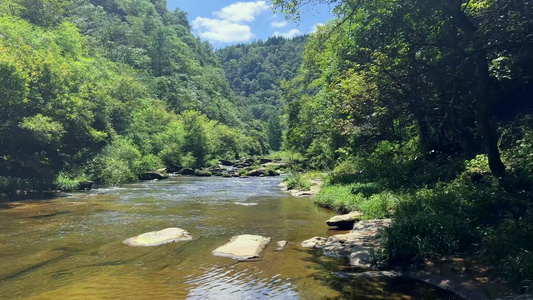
<point x="70" y="247"/>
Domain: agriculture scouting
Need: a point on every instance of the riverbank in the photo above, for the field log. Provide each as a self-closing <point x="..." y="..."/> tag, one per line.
<point x="368" y="247"/>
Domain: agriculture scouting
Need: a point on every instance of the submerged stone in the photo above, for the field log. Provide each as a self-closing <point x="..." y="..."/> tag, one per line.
<point x="281" y="245"/>
<point x="316" y="242"/>
<point x="158" y="238"/>
<point x="246" y="204"/>
<point x="243" y="247"/>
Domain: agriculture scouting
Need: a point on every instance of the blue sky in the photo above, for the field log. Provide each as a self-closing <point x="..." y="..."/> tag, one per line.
<point x="227" y="22"/>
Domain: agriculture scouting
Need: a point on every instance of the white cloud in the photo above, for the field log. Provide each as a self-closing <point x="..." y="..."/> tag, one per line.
<point x="314" y="28"/>
<point x="279" y="24"/>
<point x="222" y="30"/>
<point x="228" y="26"/>
<point x="242" y="11"/>
<point x="289" y="34"/>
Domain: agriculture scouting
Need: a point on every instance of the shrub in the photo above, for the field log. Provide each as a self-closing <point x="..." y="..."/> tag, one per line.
<point x="65" y="182"/>
<point x="297" y="181"/>
<point x="147" y="163"/>
<point x="10" y="185"/>
<point x="203" y="173"/>
<point x="118" y="163"/>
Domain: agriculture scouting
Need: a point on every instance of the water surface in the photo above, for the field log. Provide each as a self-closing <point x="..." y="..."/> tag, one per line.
<point x="70" y="247"/>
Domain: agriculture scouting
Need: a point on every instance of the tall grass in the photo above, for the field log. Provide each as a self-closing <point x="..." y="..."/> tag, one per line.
<point x="347" y="198"/>
<point x="297" y="181"/>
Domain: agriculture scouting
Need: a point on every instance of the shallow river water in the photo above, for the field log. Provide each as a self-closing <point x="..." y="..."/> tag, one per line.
<point x="70" y="246"/>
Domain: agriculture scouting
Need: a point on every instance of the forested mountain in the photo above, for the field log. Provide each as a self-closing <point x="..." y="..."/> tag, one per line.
<point x="107" y="90"/>
<point x="255" y="71"/>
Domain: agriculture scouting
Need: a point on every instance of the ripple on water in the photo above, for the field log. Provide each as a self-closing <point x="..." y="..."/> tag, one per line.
<point x="228" y="283"/>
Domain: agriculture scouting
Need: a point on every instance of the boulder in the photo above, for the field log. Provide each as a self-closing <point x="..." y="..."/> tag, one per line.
<point x="157" y="238"/>
<point x="345" y="221"/>
<point x="249" y="161"/>
<point x="243" y="247"/>
<point x="276" y="166"/>
<point x="271" y="173"/>
<point x="86" y="185"/>
<point x="241" y="165"/>
<point x="186" y="171"/>
<point x="361" y="257"/>
<point x="245" y="204"/>
<point x="225" y="162"/>
<point x="316" y="242"/>
<point x="257" y="172"/>
<point x="264" y="161"/>
<point x="153" y="175"/>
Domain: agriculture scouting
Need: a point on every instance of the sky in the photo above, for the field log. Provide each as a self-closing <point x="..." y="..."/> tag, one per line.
<point x="229" y="22"/>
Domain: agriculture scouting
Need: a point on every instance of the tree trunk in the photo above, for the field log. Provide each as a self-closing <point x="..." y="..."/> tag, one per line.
<point x="485" y="99"/>
<point x="484" y="94"/>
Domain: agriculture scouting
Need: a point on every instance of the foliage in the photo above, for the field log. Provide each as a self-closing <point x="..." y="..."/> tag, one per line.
<point x="345" y="198"/>
<point x="202" y="173"/>
<point x="79" y="79"/>
<point x="297" y="181"/>
<point x="255" y="71"/>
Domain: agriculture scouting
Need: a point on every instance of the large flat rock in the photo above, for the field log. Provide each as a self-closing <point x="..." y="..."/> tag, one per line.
<point x="345" y="221"/>
<point x="243" y="247"/>
<point x="157" y="238"/>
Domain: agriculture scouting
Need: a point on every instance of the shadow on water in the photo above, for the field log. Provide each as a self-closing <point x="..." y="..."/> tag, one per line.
<point x="327" y="269"/>
<point x="12" y="201"/>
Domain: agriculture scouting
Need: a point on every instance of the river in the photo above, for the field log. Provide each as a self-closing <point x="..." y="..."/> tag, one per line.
<point x="70" y="246"/>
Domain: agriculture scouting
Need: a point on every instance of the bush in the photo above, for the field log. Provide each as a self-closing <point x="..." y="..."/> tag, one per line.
<point x="297" y="181"/>
<point x="118" y="162"/>
<point x="66" y="183"/>
<point x="342" y="199"/>
<point x="203" y="173"/>
<point x="427" y="225"/>
<point x="10" y="185"/>
<point x="147" y="163"/>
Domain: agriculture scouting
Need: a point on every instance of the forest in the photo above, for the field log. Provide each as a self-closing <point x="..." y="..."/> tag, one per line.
<point x="107" y="90"/>
<point x="421" y="110"/>
<point x="415" y="110"/>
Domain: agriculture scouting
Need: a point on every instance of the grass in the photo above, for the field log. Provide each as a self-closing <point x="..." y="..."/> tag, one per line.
<point x="347" y="198"/>
<point x="203" y="173"/>
<point x="297" y="181"/>
<point x="67" y="182"/>
<point x="303" y="181"/>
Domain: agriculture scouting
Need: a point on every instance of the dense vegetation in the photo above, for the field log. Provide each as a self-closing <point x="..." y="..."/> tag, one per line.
<point x="255" y="72"/>
<point x="106" y="90"/>
<point x="422" y="109"/>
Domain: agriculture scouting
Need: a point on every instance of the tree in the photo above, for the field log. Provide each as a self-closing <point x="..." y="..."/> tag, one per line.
<point x="433" y="52"/>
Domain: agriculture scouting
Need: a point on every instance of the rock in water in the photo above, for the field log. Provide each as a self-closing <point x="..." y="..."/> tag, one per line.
<point x="345" y="221"/>
<point x="86" y="185"/>
<point x="243" y="247"/>
<point x="153" y="175"/>
<point x="281" y="245"/>
<point x="246" y="204"/>
<point x="316" y="242"/>
<point x="225" y="162"/>
<point x="186" y="171"/>
<point x="157" y="238"/>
